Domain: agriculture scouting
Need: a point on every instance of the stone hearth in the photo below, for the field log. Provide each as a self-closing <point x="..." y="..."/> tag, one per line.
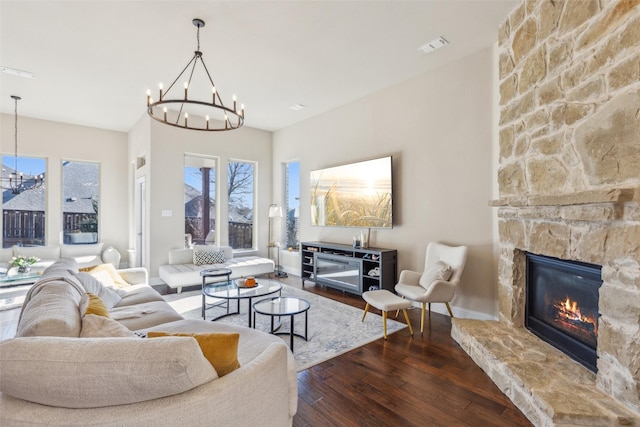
<point x="569" y="186"/>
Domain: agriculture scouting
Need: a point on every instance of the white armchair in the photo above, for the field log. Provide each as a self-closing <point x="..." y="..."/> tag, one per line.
<point x="442" y="271"/>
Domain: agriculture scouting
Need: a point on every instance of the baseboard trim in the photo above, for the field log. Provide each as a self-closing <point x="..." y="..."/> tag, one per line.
<point x="463" y="313"/>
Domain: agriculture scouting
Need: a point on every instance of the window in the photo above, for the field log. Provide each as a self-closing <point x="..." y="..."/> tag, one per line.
<point x="292" y="204"/>
<point x="80" y="202"/>
<point x="199" y="211"/>
<point x="240" y="188"/>
<point x="23" y="211"/>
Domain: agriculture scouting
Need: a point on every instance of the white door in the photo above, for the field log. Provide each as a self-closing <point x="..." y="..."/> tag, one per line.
<point x="141" y="221"/>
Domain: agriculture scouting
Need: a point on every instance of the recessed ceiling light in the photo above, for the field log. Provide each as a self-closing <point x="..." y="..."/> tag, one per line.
<point x="16" y="72"/>
<point x="298" y="107"/>
<point x="434" y="44"/>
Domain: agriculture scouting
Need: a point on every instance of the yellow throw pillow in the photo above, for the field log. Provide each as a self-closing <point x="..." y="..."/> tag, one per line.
<point x="118" y="281"/>
<point x="221" y="350"/>
<point x="92" y="304"/>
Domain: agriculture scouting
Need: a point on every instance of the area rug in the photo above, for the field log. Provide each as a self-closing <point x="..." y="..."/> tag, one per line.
<point x="12" y="296"/>
<point x="334" y="328"/>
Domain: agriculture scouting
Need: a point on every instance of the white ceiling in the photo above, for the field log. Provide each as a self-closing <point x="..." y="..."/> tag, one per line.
<point x="94" y="60"/>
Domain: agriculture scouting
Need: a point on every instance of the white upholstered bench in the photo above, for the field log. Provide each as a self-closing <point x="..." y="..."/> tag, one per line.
<point x="386" y="301"/>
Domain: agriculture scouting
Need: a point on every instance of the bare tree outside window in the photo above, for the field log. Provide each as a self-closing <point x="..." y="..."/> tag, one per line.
<point x="240" y="191"/>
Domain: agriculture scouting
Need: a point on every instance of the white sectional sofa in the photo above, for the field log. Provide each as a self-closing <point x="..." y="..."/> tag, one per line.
<point x="64" y="369"/>
<point x="85" y="255"/>
<point x="184" y="270"/>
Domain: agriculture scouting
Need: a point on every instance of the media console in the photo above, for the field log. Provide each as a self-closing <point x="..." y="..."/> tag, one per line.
<point x="350" y="269"/>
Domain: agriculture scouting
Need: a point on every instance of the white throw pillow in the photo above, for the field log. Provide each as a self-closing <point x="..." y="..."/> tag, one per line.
<point x="438" y="271"/>
<point x="108" y="294"/>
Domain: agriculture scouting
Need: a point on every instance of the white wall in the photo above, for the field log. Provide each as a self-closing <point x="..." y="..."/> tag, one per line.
<point x="165" y="179"/>
<point x="439" y="129"/>
<point x="60" y="141"/>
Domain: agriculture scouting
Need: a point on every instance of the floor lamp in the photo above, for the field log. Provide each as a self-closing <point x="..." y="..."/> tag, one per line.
<point x="275" y="212"/>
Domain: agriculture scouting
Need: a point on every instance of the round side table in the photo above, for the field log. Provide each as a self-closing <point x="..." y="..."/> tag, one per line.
<point x="284" y="306"/>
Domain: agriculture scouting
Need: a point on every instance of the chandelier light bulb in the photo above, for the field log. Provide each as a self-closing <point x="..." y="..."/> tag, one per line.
<point x="165" y="113"/>
<point x="160" y="86"/>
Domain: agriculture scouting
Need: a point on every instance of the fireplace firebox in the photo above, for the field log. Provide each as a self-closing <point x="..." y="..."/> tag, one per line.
<point x="562" y="305"/>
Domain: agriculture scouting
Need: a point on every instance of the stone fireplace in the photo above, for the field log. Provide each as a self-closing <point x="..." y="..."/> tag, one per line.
<point x="569" y="188"/>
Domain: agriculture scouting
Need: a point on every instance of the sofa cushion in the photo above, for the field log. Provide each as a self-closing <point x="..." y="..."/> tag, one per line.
<point x="138" y="294"/>
<point x="98" y="372"/>
<point x="438" y="271"/>
<point x="45" y="253"/>
<point x="144" y="315"/>
<point x="95" y="326"/>
<point x="221" y="350"/>
<point x="51" y="311"/>
<point x="109" y="296"/>
<point x="85" y="255"/>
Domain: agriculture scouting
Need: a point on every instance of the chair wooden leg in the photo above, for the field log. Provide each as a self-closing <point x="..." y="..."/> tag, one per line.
<point x="429" y="313"/>
<point x="424" y="308"/>
<point x="384" y="323"/>
<point x="406" y="317"/>
<point x="366" y="308"/>
<point x="449" y="308"/>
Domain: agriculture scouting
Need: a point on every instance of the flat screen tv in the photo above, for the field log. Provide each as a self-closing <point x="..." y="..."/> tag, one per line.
<point x="353" y="195"/>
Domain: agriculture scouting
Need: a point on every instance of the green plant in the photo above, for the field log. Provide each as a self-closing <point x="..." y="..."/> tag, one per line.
<point x="21" y="261"/>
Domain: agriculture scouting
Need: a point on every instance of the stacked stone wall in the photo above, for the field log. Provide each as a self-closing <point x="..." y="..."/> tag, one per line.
<point x="569" y="96"/>
<point x="569" y="173"/>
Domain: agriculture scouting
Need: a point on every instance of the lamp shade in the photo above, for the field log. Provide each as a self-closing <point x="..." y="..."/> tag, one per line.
<point x="275" y="211"/>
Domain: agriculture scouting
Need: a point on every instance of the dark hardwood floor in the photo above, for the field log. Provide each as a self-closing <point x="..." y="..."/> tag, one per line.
<point x="404" y="381"/>
<point x="421" y="381"/>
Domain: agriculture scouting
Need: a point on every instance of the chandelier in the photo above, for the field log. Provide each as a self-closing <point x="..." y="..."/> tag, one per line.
<point x="208" y="113"/>
<point x="17" y="181"/>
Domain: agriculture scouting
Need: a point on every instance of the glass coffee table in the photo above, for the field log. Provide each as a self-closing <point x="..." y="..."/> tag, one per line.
<point x="13" y="278"/>
<point x="231" y="291"/>
<point x="283" y="306"/>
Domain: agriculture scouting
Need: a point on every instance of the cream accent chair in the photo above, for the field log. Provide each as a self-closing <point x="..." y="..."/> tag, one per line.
<point x="442" y="271"/>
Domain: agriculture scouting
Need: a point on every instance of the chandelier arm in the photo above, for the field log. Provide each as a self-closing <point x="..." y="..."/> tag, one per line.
<point x="206" y="70"/>
<point x="180" y="75"/>
<point x="194" y="60"/>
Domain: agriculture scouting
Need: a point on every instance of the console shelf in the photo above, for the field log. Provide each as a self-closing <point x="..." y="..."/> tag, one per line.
<point x="350" y="269"/>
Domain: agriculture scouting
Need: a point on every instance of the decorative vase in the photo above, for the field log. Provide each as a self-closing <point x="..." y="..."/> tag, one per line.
<point x="24" y="269"/>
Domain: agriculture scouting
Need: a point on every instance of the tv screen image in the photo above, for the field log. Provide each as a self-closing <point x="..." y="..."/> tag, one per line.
<point x="353" y="195"/>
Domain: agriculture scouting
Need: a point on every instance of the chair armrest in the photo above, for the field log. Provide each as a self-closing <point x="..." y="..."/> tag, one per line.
<point x="134" y="275"/>
<point x="409" y="277"/>
<point x="440" y="291"/>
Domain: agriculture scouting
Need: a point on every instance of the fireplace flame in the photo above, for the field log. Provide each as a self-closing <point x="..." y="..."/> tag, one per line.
<point x="569" y="311"/>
